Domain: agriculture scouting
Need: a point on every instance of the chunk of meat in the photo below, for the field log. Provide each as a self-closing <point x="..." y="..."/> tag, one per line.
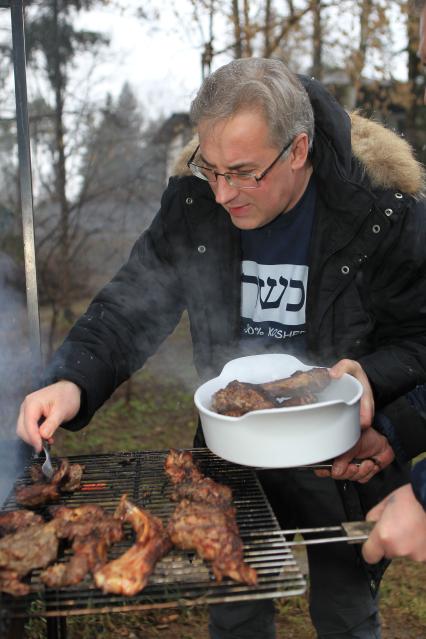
<point x="92" y="530"/>
<point x="239" y="398"/>
<point x="213" y="533"/>
<point x="66" y="479"/>
<point x="313" y="380"/>
<point x="205" y="520"/>
<point x="21" y="552"/>
<point x="17" y="520"/>
<point x="179" y="466"/>
<point x="129" y="574"/>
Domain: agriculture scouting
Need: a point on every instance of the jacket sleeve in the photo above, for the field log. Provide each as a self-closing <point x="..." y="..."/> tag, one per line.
<point x="403" y="422"/>
<point x="397" y="303"/>
<point x="126" y="321"/>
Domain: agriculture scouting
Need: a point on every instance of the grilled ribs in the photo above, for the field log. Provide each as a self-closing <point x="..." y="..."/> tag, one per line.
<point x="129" y="574"/>
<point x="66" y="479"/>
<point x="239" y="398"/>
<point x="92" y="531"/>
<point x="205" y="520"/>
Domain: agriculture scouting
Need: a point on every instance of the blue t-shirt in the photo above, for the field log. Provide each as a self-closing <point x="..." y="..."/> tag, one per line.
<point x="274" y="277"/>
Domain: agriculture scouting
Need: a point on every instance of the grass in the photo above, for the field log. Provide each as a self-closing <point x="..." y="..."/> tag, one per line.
<point x="156" y="411"/>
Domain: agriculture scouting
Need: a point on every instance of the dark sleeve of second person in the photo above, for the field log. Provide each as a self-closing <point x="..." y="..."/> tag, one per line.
<point x="403" y="422"/>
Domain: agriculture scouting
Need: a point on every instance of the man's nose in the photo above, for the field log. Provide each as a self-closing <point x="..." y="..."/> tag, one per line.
<point x="223" y="191"/>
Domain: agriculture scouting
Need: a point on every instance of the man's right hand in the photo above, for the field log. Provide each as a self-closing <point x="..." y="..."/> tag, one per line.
<point x="52" y="405"/>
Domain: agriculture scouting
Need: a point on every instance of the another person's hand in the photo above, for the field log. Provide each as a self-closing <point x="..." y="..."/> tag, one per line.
<point x="400" y="530"/>
<point x="367" y="400"/>
<point x="52" y="405"/>
<point x="373" y="448"/>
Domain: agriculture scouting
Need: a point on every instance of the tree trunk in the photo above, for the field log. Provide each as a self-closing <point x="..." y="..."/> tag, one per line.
<point x="248" y="50"/>
<point x="416" y="89"/>
<point x="237" y="29"/>
<point x="317" y="70"/>
<point x="60" y="168"/>
<point x="267" y="35"/>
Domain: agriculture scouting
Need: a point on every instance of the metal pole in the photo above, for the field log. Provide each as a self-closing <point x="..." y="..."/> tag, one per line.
<point x="18" y="40"/>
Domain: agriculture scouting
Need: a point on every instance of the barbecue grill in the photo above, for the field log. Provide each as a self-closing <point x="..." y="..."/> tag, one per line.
<point x="180" y="578"/>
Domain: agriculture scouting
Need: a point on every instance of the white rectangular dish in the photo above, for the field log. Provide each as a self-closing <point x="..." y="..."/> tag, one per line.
<point x="280" y="437"/>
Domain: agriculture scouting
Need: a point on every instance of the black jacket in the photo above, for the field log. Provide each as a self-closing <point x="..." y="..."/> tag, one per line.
<point x="366" y="295"/>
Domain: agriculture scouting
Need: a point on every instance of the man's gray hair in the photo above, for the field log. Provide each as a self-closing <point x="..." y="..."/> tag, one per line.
<point x="257" y="83"/>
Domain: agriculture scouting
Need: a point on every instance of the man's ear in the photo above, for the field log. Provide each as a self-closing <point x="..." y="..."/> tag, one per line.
<point x="299" y="151"/>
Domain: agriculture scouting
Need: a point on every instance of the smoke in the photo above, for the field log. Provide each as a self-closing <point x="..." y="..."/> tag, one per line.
<point x="15" y="371"/>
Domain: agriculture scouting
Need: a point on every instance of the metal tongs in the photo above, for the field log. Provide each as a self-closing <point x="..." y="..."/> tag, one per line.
<point x="352" y="532"/>
<point x="47" y="468"/>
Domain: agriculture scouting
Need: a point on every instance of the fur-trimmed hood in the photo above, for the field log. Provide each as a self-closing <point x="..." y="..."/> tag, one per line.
<point x="387" y="160"/>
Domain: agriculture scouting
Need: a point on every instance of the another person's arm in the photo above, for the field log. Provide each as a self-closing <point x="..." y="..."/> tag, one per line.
<point x="400" y="530"/>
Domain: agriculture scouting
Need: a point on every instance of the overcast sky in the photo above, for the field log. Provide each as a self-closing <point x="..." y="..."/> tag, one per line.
<point x="161" y="60"/>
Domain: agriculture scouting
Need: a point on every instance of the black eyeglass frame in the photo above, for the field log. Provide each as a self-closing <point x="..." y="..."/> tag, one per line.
<point x="228" y="175"/>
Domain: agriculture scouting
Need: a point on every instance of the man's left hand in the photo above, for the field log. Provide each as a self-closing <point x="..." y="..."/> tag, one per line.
<point x="371" y="447"/>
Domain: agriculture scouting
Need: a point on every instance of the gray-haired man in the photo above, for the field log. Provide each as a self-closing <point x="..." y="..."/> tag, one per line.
<point x="291" y="232"/>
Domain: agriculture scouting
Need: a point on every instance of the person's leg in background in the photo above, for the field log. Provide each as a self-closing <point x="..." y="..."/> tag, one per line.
<point x="342" y="597"/>
<point x="243" y="620"/>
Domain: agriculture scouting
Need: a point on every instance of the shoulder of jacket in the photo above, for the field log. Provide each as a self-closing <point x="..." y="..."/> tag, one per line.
<point x="388" y="159"/>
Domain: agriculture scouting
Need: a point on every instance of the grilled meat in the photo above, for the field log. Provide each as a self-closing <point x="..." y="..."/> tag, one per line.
<point x="205" y="521"/>
<point x="92" y="531"/>
<point x="66" y="479"/>
<point x="238" y="398"/>
<point x="129" y="574"/>
<point x="17" y="520"/>
<point x="179" y="466"/>
<point x="204" y="490"/>
<point x="313" y="380"/>
<point x="37" y="494"/>
<point x="33" y="547"/>
<point x="213" y="533"/>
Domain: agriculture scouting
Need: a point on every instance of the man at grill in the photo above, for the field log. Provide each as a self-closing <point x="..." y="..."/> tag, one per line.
<point x="293" y="228"/>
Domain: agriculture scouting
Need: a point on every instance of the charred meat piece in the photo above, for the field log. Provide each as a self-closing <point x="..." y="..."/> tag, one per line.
<point x="204" y="520"/>
<point x="92" y="531"/>
<point x="204" y="490"/>
<point x="179" y="466"/>
<point x="66" y="479"/>
<point x="239" y="398"/>
<point x="213" y="533"/>
<point x="314" y="380"/>
<point x="129" y="574"/>
<point x="37" y="494"/>
<point x="17" y="520"/>
<point x="34" y="547"/>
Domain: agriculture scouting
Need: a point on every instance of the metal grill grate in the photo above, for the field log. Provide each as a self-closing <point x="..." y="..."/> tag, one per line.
<point x="180" y="578"/>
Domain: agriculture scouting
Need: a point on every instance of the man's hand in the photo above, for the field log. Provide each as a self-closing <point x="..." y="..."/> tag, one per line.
<point x="400" y="530"/>
<point x="54" y="404"/>
<point x="373" y="448"/>
<point x="367" y="400"/>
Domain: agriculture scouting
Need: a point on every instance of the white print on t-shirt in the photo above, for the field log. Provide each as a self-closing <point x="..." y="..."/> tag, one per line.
<point x="274" y="292"/>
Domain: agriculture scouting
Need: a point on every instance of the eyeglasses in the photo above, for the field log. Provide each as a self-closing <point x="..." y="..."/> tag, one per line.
<point x="237" y="180"/>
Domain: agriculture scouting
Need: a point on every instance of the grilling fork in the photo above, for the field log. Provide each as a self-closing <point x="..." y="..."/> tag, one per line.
<point x="47" y="468"/>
